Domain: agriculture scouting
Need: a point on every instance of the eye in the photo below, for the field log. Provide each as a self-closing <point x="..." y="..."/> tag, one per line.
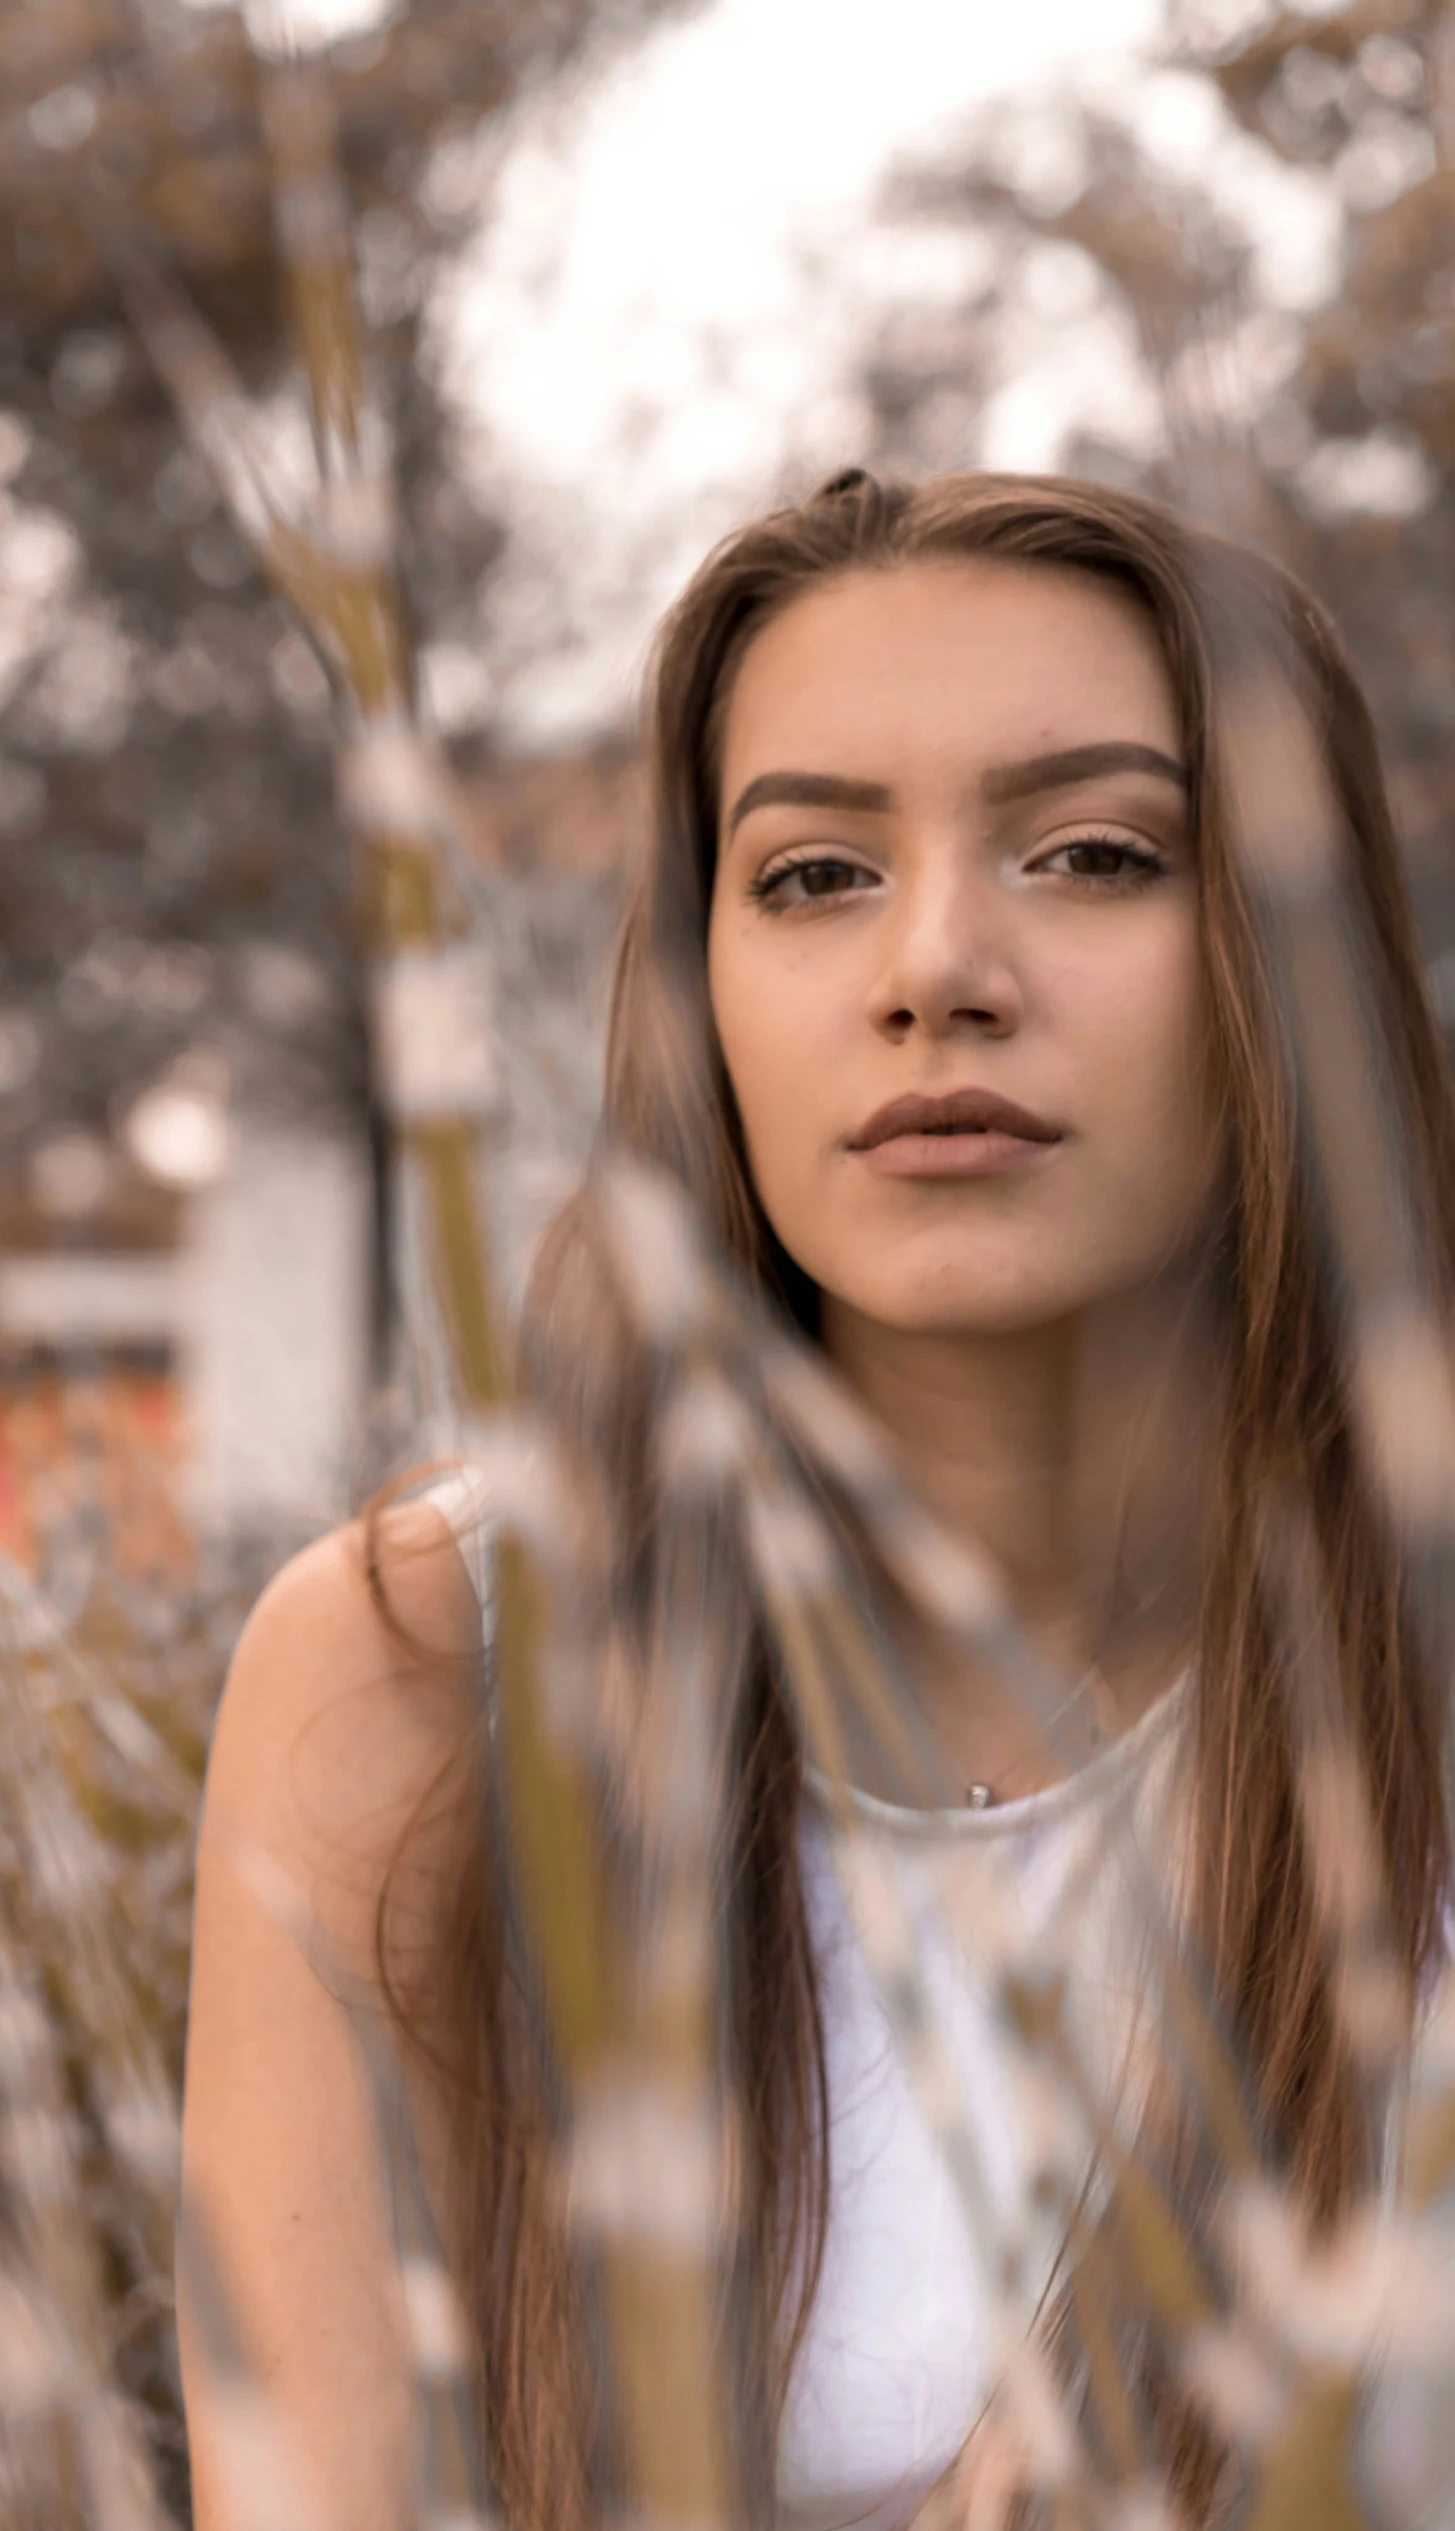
<point x="810" y="879"/>
<point x="1109" y="861"/>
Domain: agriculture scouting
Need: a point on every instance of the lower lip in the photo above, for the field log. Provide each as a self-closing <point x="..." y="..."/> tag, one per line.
<point x="992" y="1155"/>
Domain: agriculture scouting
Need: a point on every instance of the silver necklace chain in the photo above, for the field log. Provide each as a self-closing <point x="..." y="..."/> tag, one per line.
<point x="982" y="1796"/>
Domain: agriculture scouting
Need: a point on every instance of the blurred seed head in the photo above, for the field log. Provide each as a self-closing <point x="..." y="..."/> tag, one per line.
<point x="1229" y="2374"/>
<point x="644" y="2165"/>
<point x="1050" y="2450"/>
<point x="789" y="1545"/>
<point x="437" y="2331"/>
<point x="822" y="1418"/>
<point x="1141" y="2508"/>
<point x="389" y="781"/>
<point x="267" y="2490"/>
<point x="434" y="1035"/>
<point x="1381" y="2286"/>
<point x="654" y="1250"/>
<point x="141" y="2122"/>
<point x="355" y="522"/>
<point x="707" y="1437"/>
<point x="515" y="1481"/>
<point x="955" y="1589"/>
<point x="1406" y="1397"/>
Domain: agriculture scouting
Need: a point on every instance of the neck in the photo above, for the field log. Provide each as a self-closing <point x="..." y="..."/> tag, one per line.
<point x="1076" y="1456"/>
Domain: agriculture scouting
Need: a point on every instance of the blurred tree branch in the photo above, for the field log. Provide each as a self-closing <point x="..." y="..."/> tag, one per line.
<point x="164" y="750"/>
<point x="1329" y="427"/>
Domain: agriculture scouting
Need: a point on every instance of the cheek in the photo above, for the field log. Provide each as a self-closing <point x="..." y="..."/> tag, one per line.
<point x="773" y="1029"/>
<point x="1150" y="1076"/>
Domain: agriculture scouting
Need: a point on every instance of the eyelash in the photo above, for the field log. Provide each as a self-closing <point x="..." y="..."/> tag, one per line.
<point x="1145" y="868"/>
<point x="763" y="890"/>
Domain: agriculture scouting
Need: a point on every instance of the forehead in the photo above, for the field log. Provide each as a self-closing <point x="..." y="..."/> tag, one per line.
<point x="956" y="662"/>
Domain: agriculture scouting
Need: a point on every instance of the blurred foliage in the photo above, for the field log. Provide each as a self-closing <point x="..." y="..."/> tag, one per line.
<point x="1367" y="93"/>
<point x="111" y="1683"/>
<point x="1327" y="430"/>
<point x="170" y="868"/>
<point x="170" y="863"/>
<point x="172" y="882"/>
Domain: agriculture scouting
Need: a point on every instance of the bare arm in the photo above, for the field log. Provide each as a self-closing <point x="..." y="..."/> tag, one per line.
<point x="330" y="1732"/>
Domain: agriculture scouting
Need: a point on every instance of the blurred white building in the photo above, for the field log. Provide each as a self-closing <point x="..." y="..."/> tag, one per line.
<point x="197" y="1263"/>
<point x="272" y="1330"/>
<point x="247" y="1296"/>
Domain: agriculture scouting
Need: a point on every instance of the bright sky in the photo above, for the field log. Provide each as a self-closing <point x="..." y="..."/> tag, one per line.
<point x="660" y="317"/>
<point x="677" y="200"/>
<point x="678" y="260"/>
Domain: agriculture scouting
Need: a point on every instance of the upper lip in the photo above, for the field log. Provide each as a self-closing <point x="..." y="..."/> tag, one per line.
<point x="953" y="1111"/>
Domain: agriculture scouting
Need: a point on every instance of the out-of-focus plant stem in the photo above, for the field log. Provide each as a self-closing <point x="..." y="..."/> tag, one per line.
<point x="612" y="2027"/>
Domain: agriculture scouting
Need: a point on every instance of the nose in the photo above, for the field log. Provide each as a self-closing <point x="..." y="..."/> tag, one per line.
<point x="948" y="962"/>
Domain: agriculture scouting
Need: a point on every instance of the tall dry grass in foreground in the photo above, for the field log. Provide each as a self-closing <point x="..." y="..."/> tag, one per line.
<point x="1270" y="2329"/>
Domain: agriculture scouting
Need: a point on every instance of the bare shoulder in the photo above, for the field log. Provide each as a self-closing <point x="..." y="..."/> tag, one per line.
<point x="354" y="1689"/>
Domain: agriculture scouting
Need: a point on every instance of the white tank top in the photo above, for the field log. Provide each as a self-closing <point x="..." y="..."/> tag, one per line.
<point x="896" y="2363"/>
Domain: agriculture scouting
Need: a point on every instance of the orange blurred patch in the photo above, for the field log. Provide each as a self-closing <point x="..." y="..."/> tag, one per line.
<point x="113" y="1440"/>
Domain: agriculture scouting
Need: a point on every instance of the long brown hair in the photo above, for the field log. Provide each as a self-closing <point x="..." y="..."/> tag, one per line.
<point x="1288" y="1422"/>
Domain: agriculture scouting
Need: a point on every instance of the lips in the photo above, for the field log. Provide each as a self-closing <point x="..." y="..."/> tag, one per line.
<point x="953" y="1113"/>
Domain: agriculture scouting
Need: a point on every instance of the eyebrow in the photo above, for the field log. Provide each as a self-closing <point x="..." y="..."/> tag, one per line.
<point x="1065" y="765"/>
<point x="809" y="791"/>
<point x="1056" y="771"/>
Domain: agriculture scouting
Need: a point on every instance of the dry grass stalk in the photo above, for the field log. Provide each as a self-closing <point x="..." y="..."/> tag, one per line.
<point x="613" y="2019"/>
<point x="630" y="1988"/>
<point x="95" y="1826"/>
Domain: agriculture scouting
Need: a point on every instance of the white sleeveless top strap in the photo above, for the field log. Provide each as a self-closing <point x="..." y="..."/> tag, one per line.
<point x="460" y="1497"/>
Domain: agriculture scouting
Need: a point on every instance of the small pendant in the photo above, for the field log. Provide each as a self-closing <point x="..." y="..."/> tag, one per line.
<point x="978" y="1797"/>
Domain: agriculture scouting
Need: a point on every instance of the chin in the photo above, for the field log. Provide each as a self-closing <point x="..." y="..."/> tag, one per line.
<point x="966" y="1307"/>
<point x="981" y="1319"/>
<point x="978" y="1284"/>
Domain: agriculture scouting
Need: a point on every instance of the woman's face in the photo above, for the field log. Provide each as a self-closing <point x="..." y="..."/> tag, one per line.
<point x="953" y="948"/>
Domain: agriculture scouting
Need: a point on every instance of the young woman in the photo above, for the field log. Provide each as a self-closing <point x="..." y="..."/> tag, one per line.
<point x="941" y="993"/>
